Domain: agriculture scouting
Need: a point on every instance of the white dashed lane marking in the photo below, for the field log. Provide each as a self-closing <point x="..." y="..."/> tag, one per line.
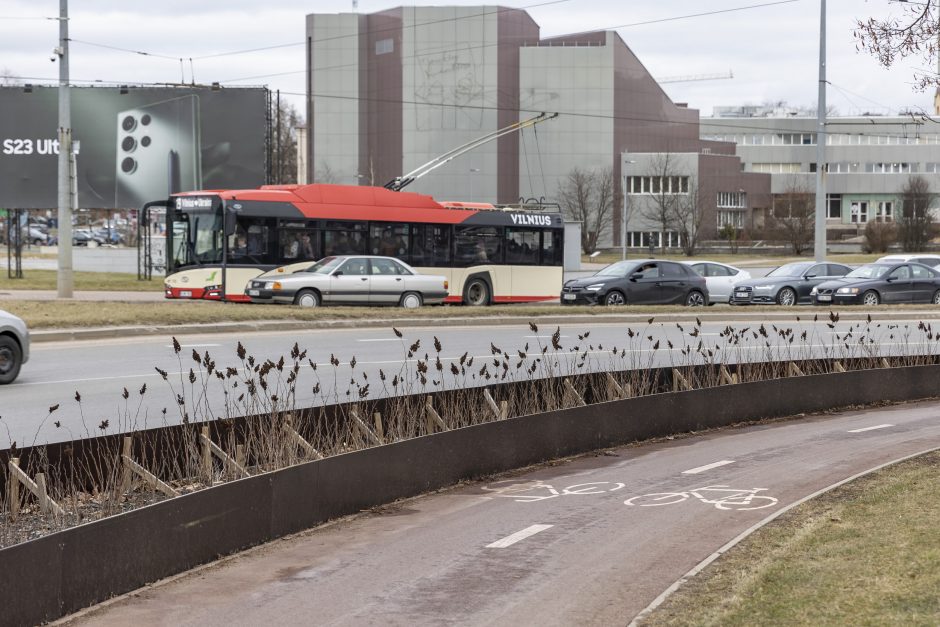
<point x="519" y="535"/>
<point x="870" y="428"/>
<point x="695" y="471"/>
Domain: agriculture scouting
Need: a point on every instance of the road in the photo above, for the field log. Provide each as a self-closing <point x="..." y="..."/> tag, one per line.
<point x="564" y="544"/>
<point x="99" y="371"/>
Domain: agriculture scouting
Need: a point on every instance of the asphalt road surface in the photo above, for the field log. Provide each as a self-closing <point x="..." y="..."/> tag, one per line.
<point x="98" y="372"/>
<point x="590" y="541"/>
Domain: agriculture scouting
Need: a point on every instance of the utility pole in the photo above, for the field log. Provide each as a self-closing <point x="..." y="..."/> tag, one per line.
<point x="819" y="248"/>
<point x="64" y="280"/>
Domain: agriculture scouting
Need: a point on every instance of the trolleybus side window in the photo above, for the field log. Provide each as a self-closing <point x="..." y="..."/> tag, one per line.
<point x="522" y="246"/>
<point x="477" y="245"/>
<point x="430" y="246"/>
<point x="344" y="238"/>
<point x="552" y="249"/>
<point x="389" y="239"/>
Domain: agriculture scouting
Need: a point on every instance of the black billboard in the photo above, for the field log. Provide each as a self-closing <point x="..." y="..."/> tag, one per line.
<point x="136" y="144"/>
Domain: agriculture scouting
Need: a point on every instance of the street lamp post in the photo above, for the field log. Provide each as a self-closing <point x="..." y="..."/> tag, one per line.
<point x="623" y="215"/>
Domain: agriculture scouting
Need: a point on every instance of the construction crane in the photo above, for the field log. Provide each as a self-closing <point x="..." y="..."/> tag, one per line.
<point x="695" y="77"/>
<point x="399" y="182"/>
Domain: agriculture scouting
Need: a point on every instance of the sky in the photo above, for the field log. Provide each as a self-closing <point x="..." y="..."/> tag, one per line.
<point x="771" y="50"/>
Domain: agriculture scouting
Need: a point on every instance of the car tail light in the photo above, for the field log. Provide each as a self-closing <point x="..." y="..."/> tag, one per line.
<point x="446" y="285"/>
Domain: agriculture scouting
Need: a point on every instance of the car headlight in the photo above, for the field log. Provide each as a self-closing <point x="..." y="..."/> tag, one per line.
<point x="814" y="291"/>
<point x="763" y="287"/>
<point x="847" y="290"/>
<point x="595" y="288"/>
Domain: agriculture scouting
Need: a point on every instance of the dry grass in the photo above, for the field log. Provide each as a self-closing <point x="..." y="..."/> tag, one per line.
<point x="867" y="553"/>
<point x="65" y="314"/>
<point x="83" y="281"/>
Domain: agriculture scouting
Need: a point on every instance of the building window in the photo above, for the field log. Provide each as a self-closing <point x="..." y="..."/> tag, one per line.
<point x="643" y="239"/>
<point x="890" y="168"/>
<point x="732" y="218"/>
<point x="736" y="200"/>
<point x="932" y="168"/>
<point x="384" y="46"/>
<point x="885" y="212"/>
<point x="777" y="168"/>
<point x="657" y="185"/>
<point x="834" y="206"/>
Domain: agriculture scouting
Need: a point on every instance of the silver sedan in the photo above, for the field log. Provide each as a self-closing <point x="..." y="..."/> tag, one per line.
<point x="720" y="278"/>
<point x="14" y="346"/>
<point x="350" y="280"/>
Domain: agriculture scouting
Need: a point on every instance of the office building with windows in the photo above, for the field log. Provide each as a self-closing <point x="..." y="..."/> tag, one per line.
<point x="390" y="91"/>
<point x="870" y="160"/>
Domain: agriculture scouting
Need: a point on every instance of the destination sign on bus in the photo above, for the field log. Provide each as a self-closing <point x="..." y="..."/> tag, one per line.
<point x="528" y="219"/>
<point x="193" y="202"/>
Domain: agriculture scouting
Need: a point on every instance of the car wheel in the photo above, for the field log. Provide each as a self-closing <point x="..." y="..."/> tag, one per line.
<point x="695" y="299"/>
<point x="786" y="297"/>
<point x="871" y="298"/>
<point x="936" y="298"/>
<point x="307" y="298"/>
<point x="476" y="293"/>
<point x="11" y="358"/>
<point x="615" y="297"/>
<point x="411" y="300"/>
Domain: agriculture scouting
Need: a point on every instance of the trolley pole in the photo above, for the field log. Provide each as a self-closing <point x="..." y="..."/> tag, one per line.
<point x="64" y="280"/>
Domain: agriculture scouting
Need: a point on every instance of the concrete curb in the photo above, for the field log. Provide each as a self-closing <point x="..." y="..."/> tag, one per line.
<point x="97" y="333"/>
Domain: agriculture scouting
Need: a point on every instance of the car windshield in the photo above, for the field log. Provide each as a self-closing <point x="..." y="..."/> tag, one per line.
<point x="870" y="271"/>
<point x="325" y="265"/>
<point x="618" y="269"/>
<point x="790" y="269"/>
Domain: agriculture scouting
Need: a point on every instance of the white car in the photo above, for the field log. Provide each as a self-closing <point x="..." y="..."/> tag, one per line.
<point x="927" y="259"/>
<point x="14" y="346"/>
<point x="719" y="278"/>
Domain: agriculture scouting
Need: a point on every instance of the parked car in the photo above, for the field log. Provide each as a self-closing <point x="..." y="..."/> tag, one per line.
<point x="641" y="282"/>
<point x="106" y="237"/>
<point x="787" y="285"/>
<point x="928" y="260"/>
<point x="720" y="278"/>
<point x="876" y="283"/>
<point x="14" y="346"/>
<point x="350" y="280"/>
<point x="82" y="237"/>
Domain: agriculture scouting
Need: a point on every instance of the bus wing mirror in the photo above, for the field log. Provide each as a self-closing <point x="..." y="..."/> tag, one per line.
<point x="230" y="223"/>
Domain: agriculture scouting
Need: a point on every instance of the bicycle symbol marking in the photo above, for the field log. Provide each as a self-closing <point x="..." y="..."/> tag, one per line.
<point x="538" y="491"/>
<point x="722" y="497"/>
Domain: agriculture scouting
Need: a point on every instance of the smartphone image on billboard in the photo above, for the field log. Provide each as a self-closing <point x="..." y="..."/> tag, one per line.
<point x="158" y="151"/>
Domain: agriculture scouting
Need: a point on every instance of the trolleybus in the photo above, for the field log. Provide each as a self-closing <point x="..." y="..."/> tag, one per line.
<point x="218" y="240"/>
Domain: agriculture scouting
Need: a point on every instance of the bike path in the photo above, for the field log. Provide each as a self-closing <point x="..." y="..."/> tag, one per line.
<point x="592" y="540"/>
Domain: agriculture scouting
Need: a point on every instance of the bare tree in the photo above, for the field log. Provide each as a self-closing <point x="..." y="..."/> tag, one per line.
<point x="286" y="119"/>
<point x="660" y="208"/>
<point x="324" y="174"/>
<point x="914" y="32"/>
<point x="688" y="215"/>
<point x="588" y="197"/>
<point x="8" y="78"/>
<point x="915" y="222"/>
<point x="794" y="215"/>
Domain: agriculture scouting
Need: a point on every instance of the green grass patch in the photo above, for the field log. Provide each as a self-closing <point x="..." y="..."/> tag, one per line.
<point x="867" y="553"/>
<point x="82" y="281"/>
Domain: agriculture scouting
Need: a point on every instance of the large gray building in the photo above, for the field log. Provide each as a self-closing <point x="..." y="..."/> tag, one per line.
<point x="870" y="158"/>
<point x="392" y="90"/>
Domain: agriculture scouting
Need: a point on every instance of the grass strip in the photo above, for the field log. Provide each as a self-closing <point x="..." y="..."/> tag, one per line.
<point x="82" y="281"/>
<point x="867" y="553"/>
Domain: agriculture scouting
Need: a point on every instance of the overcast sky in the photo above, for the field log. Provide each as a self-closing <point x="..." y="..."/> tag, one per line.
<point x="772" y="51"/>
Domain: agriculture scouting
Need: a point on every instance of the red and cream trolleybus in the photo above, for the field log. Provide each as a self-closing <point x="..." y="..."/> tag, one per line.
<point x="218" y="240"/>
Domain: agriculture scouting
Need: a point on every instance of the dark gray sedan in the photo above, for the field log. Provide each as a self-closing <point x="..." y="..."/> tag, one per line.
<point x="790" y="284"/>
<point x="643" y="282"/>
<point x="876" y="283"/>
<point x="350" y="280"/>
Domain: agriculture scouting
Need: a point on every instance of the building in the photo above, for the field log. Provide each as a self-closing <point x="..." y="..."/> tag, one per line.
<point x="870" y="160"/>
<point x="389" y="91"/>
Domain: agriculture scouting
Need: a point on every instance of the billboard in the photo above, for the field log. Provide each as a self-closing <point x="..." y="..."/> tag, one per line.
<point x="136" y="144"/>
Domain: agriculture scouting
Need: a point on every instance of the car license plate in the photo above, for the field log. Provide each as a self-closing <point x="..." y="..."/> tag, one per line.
<point x="254" y="293"/>
<point x="824" y="297"/>
<point x="569" y="296"/>
<point x="186" y="294"/>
